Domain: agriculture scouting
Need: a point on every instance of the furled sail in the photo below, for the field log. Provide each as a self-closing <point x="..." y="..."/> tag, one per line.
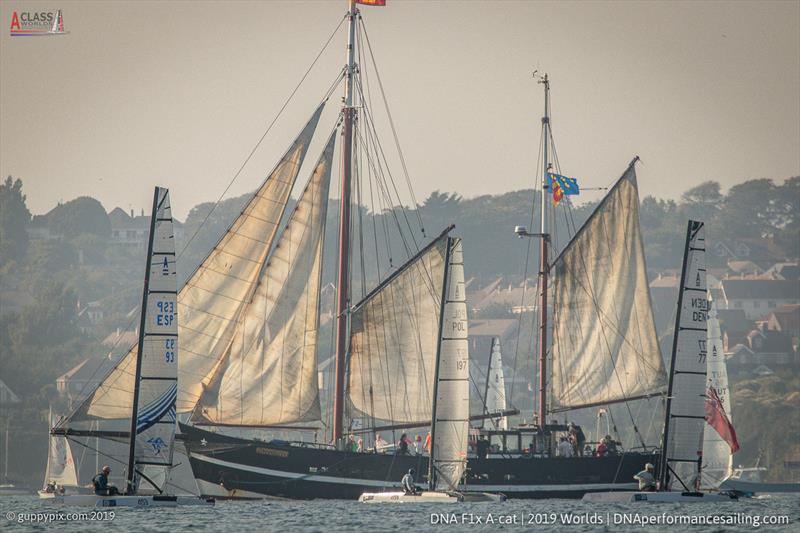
<point x="605" y="347"/>
<point x="717" y="457"/>
<point x="60" y="462"/>
<point x="686" y="399"/>
<point x="496" y="388"/>
<point x="213" y="298"/>
<point x="158" y="343"/>
<point x="269" y="373"/>
<point x="450" y="426"/>
<point x="394" y="334"/>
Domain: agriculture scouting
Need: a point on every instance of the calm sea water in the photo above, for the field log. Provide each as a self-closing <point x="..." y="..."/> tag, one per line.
<point x="347" y="516"/>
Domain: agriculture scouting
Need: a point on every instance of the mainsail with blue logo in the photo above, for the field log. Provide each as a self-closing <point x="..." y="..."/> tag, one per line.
<point x="157" y="376"/>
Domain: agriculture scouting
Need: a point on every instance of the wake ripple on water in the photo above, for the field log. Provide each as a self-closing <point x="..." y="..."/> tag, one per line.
<point x="347" y="516"/>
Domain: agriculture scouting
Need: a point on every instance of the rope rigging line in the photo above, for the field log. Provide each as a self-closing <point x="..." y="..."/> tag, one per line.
<point x="263" y="136"/>
<point x="363" y="27"/>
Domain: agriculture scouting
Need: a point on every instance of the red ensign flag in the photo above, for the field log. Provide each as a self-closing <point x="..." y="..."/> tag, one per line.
<point x="717" y="419"/>
<point x="372" y="2"/>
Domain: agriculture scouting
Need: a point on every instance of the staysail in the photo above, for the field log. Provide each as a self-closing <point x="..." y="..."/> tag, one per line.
<point x="213" y="298"/>
<point x="60" y="462"/>
<point x="156" y="378"/>
<point x="496" y="388"/>
<point x="394" y="334"/>
<point x="605" y="347"/>
<point x="683" y="430"/>
<point x="269" y="373"/>
<point x="717" y="457"/>
<point x="450" y="427"/>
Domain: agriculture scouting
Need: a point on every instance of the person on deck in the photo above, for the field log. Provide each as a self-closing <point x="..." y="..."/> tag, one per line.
<point x="380" y="444"/>
<point x="408" y="483"/>
<point x="402" y="445"/>
<point x="646" y="479"/>
<point x="351" y="443"/>
<point x="360" y="447"/>
<point x="427" y="446"/>
<point x="601" y="450"/>
<point x="565" y="448"/>
<point x="580" y="438"/>
<point x="101" y="486"/>
<point x="482" y="447"/>
<point x="418" y="445"/>
<point x="611" y="445"/>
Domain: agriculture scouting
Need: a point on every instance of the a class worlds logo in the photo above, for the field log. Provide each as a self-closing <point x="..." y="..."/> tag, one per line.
<point x="29" y="23"/>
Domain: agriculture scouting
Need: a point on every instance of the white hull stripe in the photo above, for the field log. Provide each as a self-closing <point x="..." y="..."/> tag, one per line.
<point x="374" y="483"/>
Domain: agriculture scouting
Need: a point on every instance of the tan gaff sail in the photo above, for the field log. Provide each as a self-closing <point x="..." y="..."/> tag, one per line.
<point x="269" y="375"/>
<point x="394" y="334"/>
<point x="605" y="346"/>
<point x="213" y="298"/>
<point x="686" y="404"/>
<point x="450" y="428"/>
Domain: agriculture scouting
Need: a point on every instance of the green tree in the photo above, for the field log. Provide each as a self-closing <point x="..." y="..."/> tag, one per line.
<point x="14" y="220"/>
<point x="81" y="216"/>
<point x="749" y="210"/>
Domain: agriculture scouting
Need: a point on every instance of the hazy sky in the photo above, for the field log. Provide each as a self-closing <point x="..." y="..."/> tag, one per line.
<point x="177" y="93"/>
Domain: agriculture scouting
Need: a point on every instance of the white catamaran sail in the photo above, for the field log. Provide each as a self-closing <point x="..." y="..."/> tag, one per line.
<point x="717" y="456"/>
<point x="450" y="428"/>
<point x="496" y="388"/>
<point x="683" y="431"/>
<point x="60" y="462"/>
<point x="605" y="347"/>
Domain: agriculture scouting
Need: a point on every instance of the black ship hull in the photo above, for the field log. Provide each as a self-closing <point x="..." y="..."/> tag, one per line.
<point x="242" y="468"/>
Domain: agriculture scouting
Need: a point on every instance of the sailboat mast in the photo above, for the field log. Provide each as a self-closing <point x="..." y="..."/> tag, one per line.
<point x="129" y="489"/>
<point x="343" y="278"/>
<point x="543" y="265"/>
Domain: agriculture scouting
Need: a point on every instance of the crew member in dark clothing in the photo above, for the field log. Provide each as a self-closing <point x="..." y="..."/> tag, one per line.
<point x="580" y="438"/>
<point x="482" y="447"/>
<point x="101" y="486"/>
<point x="402" y="446"/>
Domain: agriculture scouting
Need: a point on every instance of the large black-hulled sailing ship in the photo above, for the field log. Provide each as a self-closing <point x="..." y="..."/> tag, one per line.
<point x="250" y="321"/>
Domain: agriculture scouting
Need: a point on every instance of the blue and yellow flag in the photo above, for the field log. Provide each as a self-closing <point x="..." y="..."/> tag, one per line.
<point x="568" y="186"/>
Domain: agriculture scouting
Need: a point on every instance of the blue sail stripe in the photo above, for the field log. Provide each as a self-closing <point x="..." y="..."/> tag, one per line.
<point x="158" y="404"/>
<point x="143" y="424"/>
<point x="156" y="411"/>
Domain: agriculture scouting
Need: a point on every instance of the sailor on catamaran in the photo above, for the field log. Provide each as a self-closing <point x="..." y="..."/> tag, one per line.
<point x="646" y="479"/>
<point x="408" y="483"/>
<point x="101" y="486"/>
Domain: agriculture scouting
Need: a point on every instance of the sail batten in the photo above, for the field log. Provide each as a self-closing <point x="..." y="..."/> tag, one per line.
<point x="268" y="375"/>
<point x="605" y="346"/>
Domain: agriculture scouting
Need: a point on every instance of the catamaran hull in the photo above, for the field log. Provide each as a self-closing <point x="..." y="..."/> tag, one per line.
<point x="92" y="500"/>
<point x="658" y="497"/>
<point x="401" y="497"/>
<point x="245" y="468"/>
